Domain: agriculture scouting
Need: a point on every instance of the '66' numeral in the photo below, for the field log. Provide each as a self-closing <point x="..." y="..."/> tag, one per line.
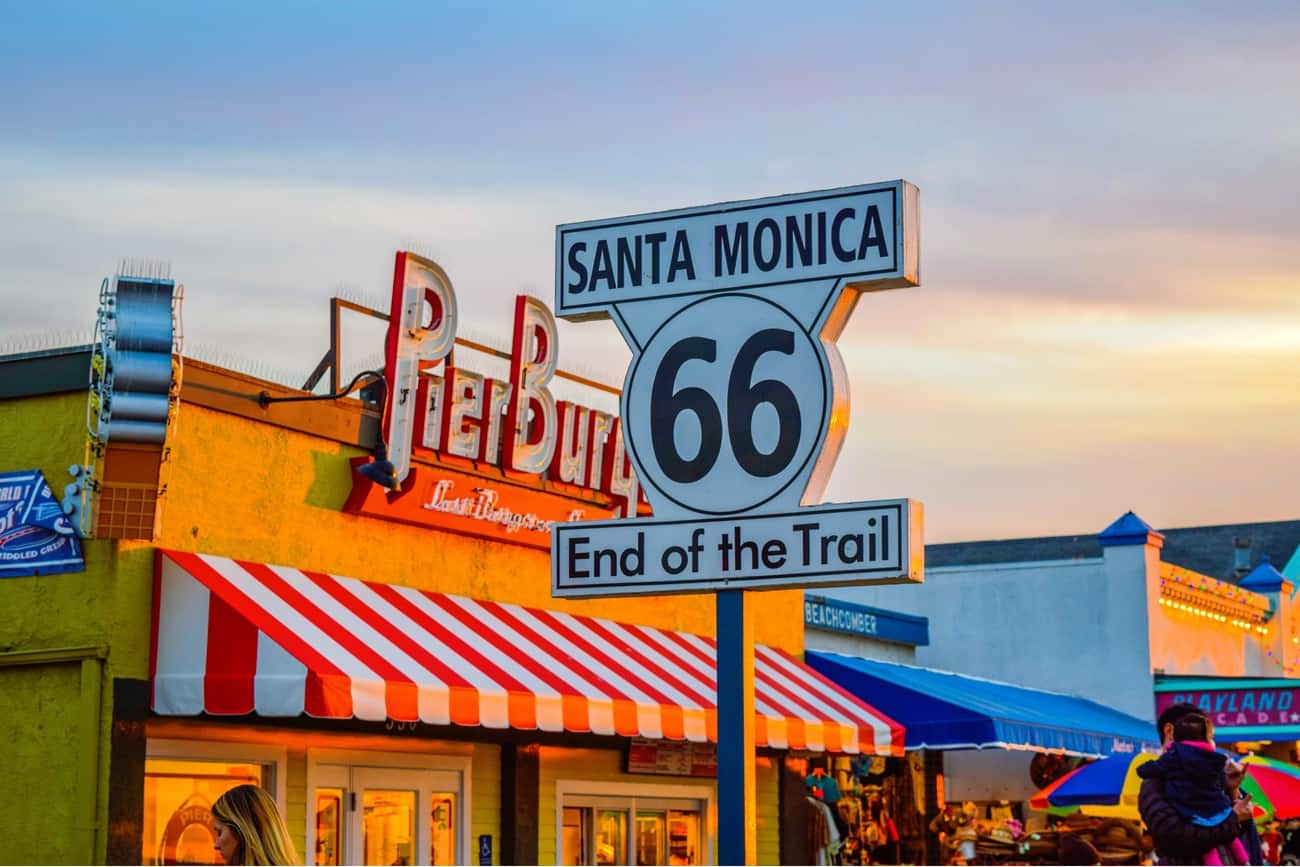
<point x="743" y="400"/>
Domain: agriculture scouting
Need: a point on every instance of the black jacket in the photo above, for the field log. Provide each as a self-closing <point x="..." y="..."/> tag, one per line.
<point x="1177" y="840"/>
<point x="1193" y="778"/>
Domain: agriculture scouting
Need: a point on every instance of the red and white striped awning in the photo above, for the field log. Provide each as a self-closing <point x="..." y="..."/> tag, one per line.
<point x="232" y="637"/>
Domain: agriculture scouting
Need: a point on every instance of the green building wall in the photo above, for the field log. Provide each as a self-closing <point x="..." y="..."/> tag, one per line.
<point x="56" y="668"/>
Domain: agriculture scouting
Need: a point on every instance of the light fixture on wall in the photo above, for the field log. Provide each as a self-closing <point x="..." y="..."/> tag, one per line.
<point x="375" y="391"/>
<point x="381" y="470"/>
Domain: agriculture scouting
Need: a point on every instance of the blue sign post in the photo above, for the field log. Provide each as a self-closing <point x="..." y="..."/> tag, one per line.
<point x="737" y="811"/>
<point x="734" y="409"/>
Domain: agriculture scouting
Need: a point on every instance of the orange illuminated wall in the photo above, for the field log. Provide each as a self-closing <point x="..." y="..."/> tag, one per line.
<point x="243" y="487"/>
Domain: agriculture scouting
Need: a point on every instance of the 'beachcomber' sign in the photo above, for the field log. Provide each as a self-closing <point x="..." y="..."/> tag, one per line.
<point x="836" y="615"/>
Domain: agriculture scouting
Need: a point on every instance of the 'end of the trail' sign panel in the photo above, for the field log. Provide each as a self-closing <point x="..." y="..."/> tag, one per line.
<point x="865" y="234"/>
<point x="878" y="542"/>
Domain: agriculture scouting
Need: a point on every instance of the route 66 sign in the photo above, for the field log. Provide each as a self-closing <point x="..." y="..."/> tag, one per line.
<point x="736" y="404"/>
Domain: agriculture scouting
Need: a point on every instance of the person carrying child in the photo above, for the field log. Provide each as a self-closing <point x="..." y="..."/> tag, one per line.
<point x="1193" y="773"/>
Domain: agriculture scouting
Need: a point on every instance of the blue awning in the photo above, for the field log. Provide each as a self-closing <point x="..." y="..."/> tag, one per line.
<point x="945" y="711"/>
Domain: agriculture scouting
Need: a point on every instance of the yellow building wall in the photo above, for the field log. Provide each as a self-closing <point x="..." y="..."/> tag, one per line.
<point x="97" y="622"/>
<point x="1184" y="643"/>
<point x="237" y="487"/>
<point x="295" y="799"/>
<point x="767" y="789"/>
<point x="37" y="729"/>
<point x="244" y="489"/>
<point x="485" y="811"/>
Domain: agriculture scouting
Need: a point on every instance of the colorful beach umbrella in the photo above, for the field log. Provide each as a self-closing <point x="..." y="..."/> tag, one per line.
<point x="1266" y="762"/>
<point x="1273" y="784"/>
<point x="1274" y="790"/>
<point x="1110" y="787"/>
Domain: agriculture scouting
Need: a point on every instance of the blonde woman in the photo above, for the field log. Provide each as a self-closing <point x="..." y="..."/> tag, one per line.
<point x="249" y="828"/>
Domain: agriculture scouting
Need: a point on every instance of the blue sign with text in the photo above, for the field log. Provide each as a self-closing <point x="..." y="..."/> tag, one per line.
<point x="837" y="615"/>
<point x="36" y="538"/>
<point x="484" y="849"/>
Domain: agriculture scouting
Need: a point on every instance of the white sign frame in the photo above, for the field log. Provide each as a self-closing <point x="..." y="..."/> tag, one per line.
<point x="736" y="400"/>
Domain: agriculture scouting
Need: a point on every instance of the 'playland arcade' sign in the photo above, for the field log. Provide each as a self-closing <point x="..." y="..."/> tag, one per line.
<point x="1239" y="707"/>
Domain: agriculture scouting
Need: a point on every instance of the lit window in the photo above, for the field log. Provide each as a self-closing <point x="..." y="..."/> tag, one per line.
<point x="665" y="832"/>
<point x="178" y="798"/>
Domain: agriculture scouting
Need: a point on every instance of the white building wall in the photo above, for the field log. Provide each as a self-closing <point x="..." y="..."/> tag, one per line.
<point x="1077" y="626"/>
<point x="988" y="775"/>
<point x="859" y="646"/>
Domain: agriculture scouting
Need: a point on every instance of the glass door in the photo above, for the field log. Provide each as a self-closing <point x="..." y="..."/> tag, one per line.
<point x="385" y="816"/>
<point x="684" y="836"/>
<point x="609" y="831"/>
<point x="611" y="837"/>
<point x="442" y="828"/>
<point x="651" y="835"/>
<point x="574" y="836"/>
<point x="386" y="826"/>
<point x="329" y="813"/>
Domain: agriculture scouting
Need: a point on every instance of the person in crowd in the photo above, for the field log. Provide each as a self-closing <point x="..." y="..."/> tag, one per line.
<point x="880" y="831"/>
<point x="1178" y="840"/>
<point x="942" y="826"/>
<point x="250" y="829"/>
<point x="1192" y="769"/>
<point x="965" y="838"/>
<point x="1271" y="843"/>
<point x="1073" y="849"/>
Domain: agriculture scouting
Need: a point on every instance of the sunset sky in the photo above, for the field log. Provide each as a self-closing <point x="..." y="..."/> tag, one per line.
<point x="1109" y="315"/>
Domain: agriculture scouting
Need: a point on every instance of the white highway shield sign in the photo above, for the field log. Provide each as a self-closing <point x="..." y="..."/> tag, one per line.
<point x="736" y="401"/>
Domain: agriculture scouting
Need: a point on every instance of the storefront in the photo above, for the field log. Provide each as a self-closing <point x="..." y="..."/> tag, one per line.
<point x="439" y="707"/>
<point x="236" y="638"/>
<point x="881" y="801"/>
<point x="985" y="747"/>
<point x="1104" y="616"/>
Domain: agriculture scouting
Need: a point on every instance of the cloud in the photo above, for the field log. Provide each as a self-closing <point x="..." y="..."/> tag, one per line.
<point x="1074" y="490"/>
<point x="260" y="256"/>
<point x="1110" y="198"/>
